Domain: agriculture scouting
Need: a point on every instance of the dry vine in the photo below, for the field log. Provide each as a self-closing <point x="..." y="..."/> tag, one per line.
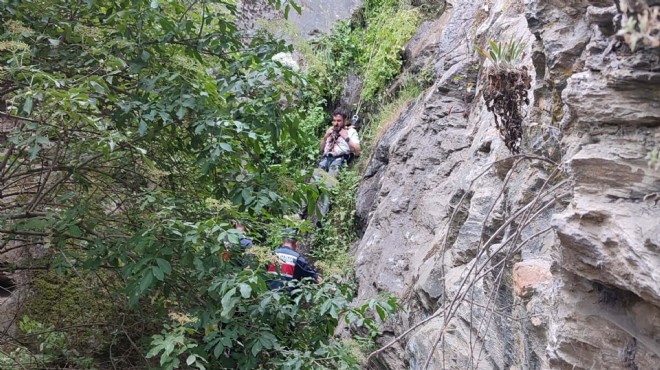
<point x="513" y="226"/>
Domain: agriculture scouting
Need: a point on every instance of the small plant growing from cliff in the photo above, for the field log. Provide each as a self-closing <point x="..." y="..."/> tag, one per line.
<point x="505" y="89"/>
<point x="653" y="158"/>
<point x="503" y="56"/>
<point x="639" y="27"/>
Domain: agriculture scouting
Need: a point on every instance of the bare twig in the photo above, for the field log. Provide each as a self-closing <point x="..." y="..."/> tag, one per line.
<point x="19" y="117"/>
<point x="43" y="183"/>
<point x="517" y="234"/>
<point x="461" y="293"/>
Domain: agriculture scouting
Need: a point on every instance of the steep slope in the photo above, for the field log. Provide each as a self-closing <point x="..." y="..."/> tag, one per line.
<point x="548" y="259"/>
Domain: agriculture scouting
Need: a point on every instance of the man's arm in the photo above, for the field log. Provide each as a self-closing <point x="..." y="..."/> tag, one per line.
<point x="304" y="269"/>
<point x="325" y="139"/>
<point x="354" y="142"/>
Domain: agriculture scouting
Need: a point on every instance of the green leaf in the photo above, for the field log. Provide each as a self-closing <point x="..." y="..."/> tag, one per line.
<point x="181" y="112"/>
<point x="74" y="231"/>
<point x="28" y="105"/>
<point x="34" y="151"/>
<point x="246" y="290"/>
<point x="296" y="7"/>
<point x="158" y="273"/>
<point x="218" y="349"/>
<point x="97" y="87"/>
<point x="165" y="266"/>
<point x="333" y="312"/>
<point x="36" y="224"/>
<point x="483" y="52"/>
<point x="142" y="128"/>
<point x="256" y="348"/>
<point x="228" y="302"/>
<point x="155" y="350"/>
<point x="325" y="307"/>
<point x="493" y="57"/>
<point x="381" y="312"/>
<point x="199" y="264"/>
<point x="43" y="140"/>
<point x="146" y="281"/>
<point x="493" y="46"/>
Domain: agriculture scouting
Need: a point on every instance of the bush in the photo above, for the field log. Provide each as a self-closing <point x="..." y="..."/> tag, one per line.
<point x="48" y="348"/>
<point x="334" y="238"/>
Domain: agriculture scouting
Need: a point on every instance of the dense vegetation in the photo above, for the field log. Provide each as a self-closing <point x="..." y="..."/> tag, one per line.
<point x="135" y="131"/>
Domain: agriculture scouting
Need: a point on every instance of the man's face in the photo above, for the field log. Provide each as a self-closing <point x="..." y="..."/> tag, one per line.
<point x="338" y="121"/>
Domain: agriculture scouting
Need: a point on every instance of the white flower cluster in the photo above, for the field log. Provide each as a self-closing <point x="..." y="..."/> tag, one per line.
<point x="286" y="59"/>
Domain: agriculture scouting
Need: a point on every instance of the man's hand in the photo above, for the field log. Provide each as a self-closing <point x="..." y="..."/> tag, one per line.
<point x="329" y="132"/>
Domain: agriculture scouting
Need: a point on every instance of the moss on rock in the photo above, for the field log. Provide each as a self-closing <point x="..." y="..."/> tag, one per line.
<point x="78" y="305"/>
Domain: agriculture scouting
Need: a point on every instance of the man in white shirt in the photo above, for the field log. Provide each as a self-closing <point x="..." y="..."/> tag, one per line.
<point x="339" y="143"/>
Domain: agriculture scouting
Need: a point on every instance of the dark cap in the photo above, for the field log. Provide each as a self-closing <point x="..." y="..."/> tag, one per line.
<point x="290" y="233"/>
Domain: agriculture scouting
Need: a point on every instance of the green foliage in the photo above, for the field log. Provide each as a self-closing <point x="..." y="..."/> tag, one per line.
<point x="504" y="55"/>
<point x="334" y="55"/>
<point x="383" y="42"/>
<point x="304" y="154"/>
<point x="383" y="308"/>
<point x="136" y="159"/>
<point x="426" y="76"/>
<point x="139" y="130"/>
<point x="373" y="48"/>
<point x="333" y="239"/>
<point x="48" y="347"/>
<point x="255" y="325"/>
<point x="374" y="8"/>
<point x="172" y="345"/>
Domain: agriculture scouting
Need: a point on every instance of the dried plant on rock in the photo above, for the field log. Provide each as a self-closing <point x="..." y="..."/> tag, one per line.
<point x="505" y="89"/>
<point x="639" y="25"/>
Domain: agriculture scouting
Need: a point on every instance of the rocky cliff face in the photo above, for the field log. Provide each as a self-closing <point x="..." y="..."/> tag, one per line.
<point x="317" y="16"/>
<point x="548" y="259"/>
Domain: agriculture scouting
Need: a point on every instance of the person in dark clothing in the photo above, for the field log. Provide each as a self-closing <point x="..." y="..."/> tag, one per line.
<point x="244" y="242"/>
<point x="288" y="264"/>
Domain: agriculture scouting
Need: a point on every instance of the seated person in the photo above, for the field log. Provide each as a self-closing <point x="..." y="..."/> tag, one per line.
<point x="338" y="143"/>
<point x="288" y="264"/>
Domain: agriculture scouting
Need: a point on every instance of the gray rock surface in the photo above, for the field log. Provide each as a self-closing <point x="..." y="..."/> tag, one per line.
<point x="317" y="16"/>
<point x="546" y="260"/>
